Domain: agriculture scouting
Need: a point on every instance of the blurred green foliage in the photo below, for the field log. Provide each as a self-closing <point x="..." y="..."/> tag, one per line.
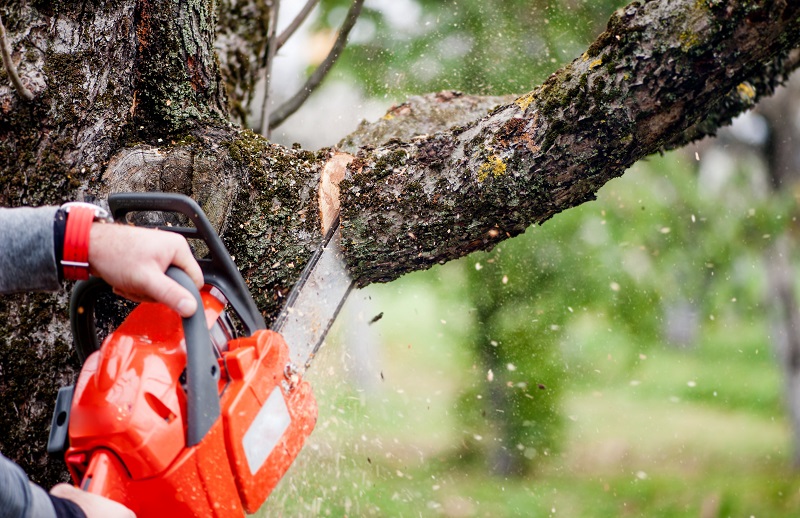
<point x="513" y="404"/>
<point x="641" y="315"/>
<point x="402" y="47"/>
<point x="661" y="261"/>
<point x="494" y="47"/>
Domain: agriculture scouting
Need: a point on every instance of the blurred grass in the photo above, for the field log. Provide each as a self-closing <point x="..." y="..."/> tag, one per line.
<point x="666" y="433"/>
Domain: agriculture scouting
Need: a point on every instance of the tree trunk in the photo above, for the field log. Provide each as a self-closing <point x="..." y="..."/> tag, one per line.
<point x="783" y="166"/>
<point x="786" y="330"/>
<point x="129" y="95"/>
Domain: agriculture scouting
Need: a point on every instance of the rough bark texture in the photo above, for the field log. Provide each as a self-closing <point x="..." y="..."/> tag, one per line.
<point x="129" y="95"/>
<point x="241" y="45"/>
<point x="79" y="65"/>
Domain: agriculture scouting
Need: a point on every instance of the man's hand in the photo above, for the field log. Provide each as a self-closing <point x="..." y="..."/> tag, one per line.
<point x="94" y="506"/>
<point x="133" y="261"/>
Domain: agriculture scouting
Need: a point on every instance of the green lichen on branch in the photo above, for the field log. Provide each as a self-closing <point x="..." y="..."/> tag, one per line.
<point x="494" y="166"/>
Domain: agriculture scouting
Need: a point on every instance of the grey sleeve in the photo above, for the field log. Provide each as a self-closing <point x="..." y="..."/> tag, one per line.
<point x="27" y="255"/>
<point x="19" y="498"/>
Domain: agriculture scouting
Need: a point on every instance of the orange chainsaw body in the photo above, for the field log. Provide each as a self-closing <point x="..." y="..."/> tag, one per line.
<point x="127" y="425"/>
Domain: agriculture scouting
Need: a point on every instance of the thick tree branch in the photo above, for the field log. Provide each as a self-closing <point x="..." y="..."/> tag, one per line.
<point x="760" y="84"/>
<point x="462" y="180"/>
<point x="659" y="69"/>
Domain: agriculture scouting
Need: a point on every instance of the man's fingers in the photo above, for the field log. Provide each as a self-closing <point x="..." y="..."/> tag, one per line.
<point x="94" y="506"/>
<point x="135" y="297"/>
<point x="184" y="260"/>
<point x="163" y="289"/>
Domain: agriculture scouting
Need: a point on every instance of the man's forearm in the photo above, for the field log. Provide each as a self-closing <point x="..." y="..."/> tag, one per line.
<point x="18" y="497"/>
<point x="27" y="252"/>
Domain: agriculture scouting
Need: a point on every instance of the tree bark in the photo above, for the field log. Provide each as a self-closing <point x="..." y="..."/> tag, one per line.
<point x="129" y="95"/>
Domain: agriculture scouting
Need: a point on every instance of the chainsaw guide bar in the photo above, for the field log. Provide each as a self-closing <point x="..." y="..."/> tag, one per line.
<point x="314" y="301"/>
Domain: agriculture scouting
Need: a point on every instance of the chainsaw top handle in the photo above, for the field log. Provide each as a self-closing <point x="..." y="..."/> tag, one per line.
<point x="219" y="269"/>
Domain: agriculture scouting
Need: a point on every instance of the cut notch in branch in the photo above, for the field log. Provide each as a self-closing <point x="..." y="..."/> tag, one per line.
<point x="291" y="106"/>
<point x="333" y="173"/>
<point x="8" y="63"/>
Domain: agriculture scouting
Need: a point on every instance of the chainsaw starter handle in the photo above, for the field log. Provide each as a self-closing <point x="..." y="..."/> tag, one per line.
<point x="219" y="269"/>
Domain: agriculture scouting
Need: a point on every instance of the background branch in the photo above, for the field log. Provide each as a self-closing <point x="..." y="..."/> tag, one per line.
<point x="291" y="106"/>
<point x="272" y="47"/>
<point x="5" y="49"/>
<point x="296" y="23"/>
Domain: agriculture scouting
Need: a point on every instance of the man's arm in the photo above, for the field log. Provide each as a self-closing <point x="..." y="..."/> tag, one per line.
<point x="132" y="260"/>
<point x="18" y="497"/>
<point x="27" y="252"/>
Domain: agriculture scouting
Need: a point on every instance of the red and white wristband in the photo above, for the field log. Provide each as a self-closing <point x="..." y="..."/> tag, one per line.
<point x="75" y="254"/>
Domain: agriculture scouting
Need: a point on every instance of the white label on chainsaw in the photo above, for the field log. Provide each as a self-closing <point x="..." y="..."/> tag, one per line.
<point x="266" y="430"/>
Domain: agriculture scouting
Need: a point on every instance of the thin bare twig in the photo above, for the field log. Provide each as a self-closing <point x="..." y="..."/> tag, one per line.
<point x="272" y="48"/>
<point x="297" y="22"/>
<point x="5" y="49"/>
<point x="291" y="106"/>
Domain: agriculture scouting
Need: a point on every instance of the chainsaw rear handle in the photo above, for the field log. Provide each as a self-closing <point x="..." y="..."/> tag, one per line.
<point x="202" y="369"/>
<point x="219" y="269"/>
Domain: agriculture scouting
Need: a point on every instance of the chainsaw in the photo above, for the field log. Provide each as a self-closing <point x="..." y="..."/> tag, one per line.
<point x="201" y="416"/>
